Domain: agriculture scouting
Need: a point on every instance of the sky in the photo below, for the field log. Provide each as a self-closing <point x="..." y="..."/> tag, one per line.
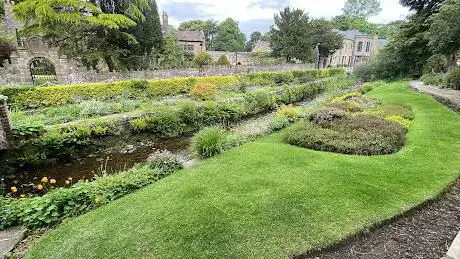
<point x="257" y="15"/>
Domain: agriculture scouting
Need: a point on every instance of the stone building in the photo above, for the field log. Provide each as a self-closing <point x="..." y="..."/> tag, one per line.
<point x="192" y="41"/>
<point x="357" y="49"/>
<point x="34" y="62"/>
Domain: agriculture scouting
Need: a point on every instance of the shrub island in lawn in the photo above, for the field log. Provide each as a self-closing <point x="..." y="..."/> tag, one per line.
<point x="353" y="124"/>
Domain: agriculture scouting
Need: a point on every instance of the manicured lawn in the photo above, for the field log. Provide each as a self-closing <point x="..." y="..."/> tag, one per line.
<point x="267" y="199"/>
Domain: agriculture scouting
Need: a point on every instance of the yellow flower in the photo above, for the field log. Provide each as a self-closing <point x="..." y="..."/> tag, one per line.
<point x="22" y="196"/>
<point x="40" y="187"/>
<point x="14" y="189"/>
<point x="52" y="181"/>
<point x="44" y="180"/>
<point x="97" y="201"/>
<point x="67" y="182"/>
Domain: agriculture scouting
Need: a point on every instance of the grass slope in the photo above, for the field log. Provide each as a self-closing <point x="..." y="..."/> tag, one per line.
<point x="267" y="199"/>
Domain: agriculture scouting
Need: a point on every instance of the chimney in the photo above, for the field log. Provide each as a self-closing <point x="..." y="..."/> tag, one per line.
<point x="165" y="20"/>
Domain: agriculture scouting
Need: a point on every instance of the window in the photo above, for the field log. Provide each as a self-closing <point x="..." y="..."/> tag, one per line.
<point x="368" y="46"/>
<point x="188" y="47"/>
<point x="360" y="46"/>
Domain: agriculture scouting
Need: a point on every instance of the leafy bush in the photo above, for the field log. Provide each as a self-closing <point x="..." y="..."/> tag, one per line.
<point x="202" y="59"/>
<point x="164" y="160"/>
<point x="433" y="79"/>
<point x="58" y="204"/>
<point x="365" y="72"/>
<point x="355" y="134"/>
<point x="209" y="141"/>
<point x="326" y="115"/>
<point x="278" y="123"/>
<point x="95" y="108"/>
<point x="204" y="91"/>
<point x="289" y="112"/>
<point x="365" y="88"/>
<point x="223" y="61"/>
<point x="453" y="79"/>
<point x="436" y="64"/>
<point x="400" y="120"/>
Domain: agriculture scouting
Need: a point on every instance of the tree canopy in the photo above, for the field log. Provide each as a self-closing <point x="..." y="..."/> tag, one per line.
<point x="361" y="8"/>
<point x="444" y="32"/>
<point x="291" y="35"/>
<point x="423" y="6"/>
<point x="330" y="41"/>
<point x="229" y="37"/>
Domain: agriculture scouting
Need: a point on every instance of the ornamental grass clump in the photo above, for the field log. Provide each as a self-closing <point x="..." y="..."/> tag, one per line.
<point x="209" y="142"/>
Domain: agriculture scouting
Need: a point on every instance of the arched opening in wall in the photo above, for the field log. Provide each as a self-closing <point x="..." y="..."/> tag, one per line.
<point x="42" y="71"/>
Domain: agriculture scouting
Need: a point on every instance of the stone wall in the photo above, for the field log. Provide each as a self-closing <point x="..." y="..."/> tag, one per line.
<point x="5" y="123"/>
<point x="92" y="76"/>
<point x="235" y="58"/>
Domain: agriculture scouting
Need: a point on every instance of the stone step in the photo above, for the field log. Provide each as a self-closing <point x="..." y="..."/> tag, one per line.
<point x="9" y="238"/>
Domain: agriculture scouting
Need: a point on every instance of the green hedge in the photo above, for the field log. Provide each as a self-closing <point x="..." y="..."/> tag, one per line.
<point x="34" y="97"/>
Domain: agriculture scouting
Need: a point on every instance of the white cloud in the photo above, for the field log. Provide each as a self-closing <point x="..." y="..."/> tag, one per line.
<point x="244" y="11"/>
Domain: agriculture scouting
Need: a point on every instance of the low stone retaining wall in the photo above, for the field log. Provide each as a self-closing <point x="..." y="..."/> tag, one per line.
<point x="5" y="123"/>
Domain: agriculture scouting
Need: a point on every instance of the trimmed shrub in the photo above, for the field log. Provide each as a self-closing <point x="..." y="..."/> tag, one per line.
<point x="204" y="91"/>
<point x="223" y="61"/>
<point x="356" y="134"/>
<point x="209" y="142"/>
<point x="400" y="120"/>
<point x="326" y="116"/>
<point x="278" y="123"/>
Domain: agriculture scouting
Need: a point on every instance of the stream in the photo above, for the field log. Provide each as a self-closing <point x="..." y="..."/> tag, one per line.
<point x="104" y="162"/>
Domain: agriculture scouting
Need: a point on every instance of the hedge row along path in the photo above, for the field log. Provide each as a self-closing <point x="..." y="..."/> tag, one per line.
<point x="267" y="199"/>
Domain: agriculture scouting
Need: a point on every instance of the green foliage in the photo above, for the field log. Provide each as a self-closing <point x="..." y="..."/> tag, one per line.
<point x="164" y="160"/>
<point x="172" y="55"/>
<point x="209" y="142"/>
<point x="433" y="79"/>
<point x="223" y="61"/>
<point x="290" y="37"/>
<point x="444" y="30"/>
<point x="32" y="97"/>
<point x="62" y="203"/>
<point x="229" y="37"/>
<point x="361" y="8"/>
<point x="323" y="33"/>
<point x="289" y="112"/>
<point x="253" y="39"/>
<point x="278" y="123"/>
<point x="400" y="120"/>
<point x="436" y="64"/>
<point x="202" y="59"/>
<point x="163" y="123"/>
<point x="453" y="79"/>
<point x="365" y="72"/>
<point x="356" y="134"/>
<point x="204" y="91"/>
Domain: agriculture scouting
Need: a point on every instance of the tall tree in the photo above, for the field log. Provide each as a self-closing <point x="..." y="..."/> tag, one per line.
<point x="209" y="28"/>
<point x="291" y="36"/>
<point x="329" y="40"/>
<point x="445" y="30"/>
<point x="361" y="8"/>
<point x="254" y="38"/>
<point x="229" y="37"/>
<point x="148" y="32"/>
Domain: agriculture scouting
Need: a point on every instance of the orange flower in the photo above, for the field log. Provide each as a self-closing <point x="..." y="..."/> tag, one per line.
<point x="14" y="189"/>
<point x="44" y="180"/>
<point x="40" y="187"/>
<point x="67" y="182"/>
<point x="52" y="181"/>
